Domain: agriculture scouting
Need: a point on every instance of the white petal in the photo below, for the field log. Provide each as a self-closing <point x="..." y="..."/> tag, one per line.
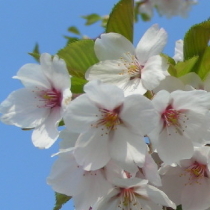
<point x="152" y="43"/>
<point x="153" y="72"/>
<point x="138" y="114"/>
<point x="159" y="197"/>
<point x="174" y="147"/>
<point x="65" y="175"/>
<point x="192" y="79"/>
<point x="21" y="109"/>
<point x="109" y="71"/>
<point x="31" y="75"/>
<point x="151" y="171"/>
<point x="104" y="95"/>
<point x="112" y="46"/>
<point x="69" y="139"/>
<point x="91" y="149"/>
<point x="46" y="134"/>
<point x="196" y="196"/>
<point x="80" y="114"/>
<point x="128" y="149"/>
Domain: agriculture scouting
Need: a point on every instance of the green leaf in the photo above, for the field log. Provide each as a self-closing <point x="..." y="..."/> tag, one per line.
<point x="196" y="39"/>
<point x="60" y="200"/>
<point x="35" y="53"/>
<point x="91" y="19"/>
<point x="185" y="67"/>
<point x="202" y="67"/>
<point x="74" y="30"/>
<point x="179" y="207"/>
<point x="77" y="84"/>
<point x="121" y="19"/>
<point x="79" y="56"/>
<point x="71" y="39"/>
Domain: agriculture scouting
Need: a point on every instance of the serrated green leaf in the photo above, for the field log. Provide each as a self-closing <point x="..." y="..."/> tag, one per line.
<point x="172" y="71"/>
<point x="196" y="39"/>
<point x="185" y="67"/>
<point x="91" y="19"/>
<point x="202" y="67"/>
<point x="35" y="53"/>
<point x="60" y="200"/>
<point x="79" y="56"/>
<point x="169" y="59"/>
<point x="77" y="84"/>
<point x="74" y="30"/>
<point x="121" y="19"/>
<point x="71" y="39"/>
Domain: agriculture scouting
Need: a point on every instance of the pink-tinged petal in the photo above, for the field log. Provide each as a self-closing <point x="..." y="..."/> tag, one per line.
<point x="31" y="76"/>
<point x="127" y="149"/>
<point x="94" y="186"/>
<point x="196" y="196"/>
<point x="130" y="183"/>
<point x="112" y="46"/>
<point x="161" y="101"/>
<point x="150" y="170"/>
<point x="153" y="72"/>
<point x="152" y="43"/>
<point x="138" y="114"/>
<point x="21" y="108"/>
<point x="159" y="197"/>
<point x="80" y="114"/>
<point x="47" y="133"/>
<point x="91" y="149"/>
<point x="109" y="71"/>
<point x="104" y="95"/>
<point x="173" y="182"/>
<point x="107" y="202"/>
<point x="65" y="175"/>
<point x="173" y="146"/>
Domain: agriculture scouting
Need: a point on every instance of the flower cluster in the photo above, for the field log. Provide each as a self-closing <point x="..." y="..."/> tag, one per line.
<point x="135" y="139"/>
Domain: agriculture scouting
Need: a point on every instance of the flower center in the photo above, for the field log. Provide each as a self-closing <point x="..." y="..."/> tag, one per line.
<point x="110" y="118"/>
<point x="133" y="67"/>
<point x="128" y="198"/>
<point x="49" y="98"/>
<point x="171" y="117"/>
<point x="196" y="172"/>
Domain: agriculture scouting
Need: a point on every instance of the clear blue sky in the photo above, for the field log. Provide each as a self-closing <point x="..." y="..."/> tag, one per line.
<point x="24" y="168"/>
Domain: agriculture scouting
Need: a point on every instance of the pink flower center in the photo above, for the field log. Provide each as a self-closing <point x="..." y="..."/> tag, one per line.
<point x="110" y="118"/>
<point x="171" y="117"/>
<point x="128" y="198"/>
<point x="196" y="172"/>
<point x="49" y="98"/>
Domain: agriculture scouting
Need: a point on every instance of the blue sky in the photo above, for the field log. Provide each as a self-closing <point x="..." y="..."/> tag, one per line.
<point x="24" y="168"/>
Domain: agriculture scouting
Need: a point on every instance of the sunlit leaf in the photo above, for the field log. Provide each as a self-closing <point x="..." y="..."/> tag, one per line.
<point x="35" y="53"/>
<point x="60" y="200"/>
<point x="79" y="56"/>
<point x="77" y="84"/>
<point x="121" y="19"/>
<point x="92" y="18"/>
<point x="196" y="39"/>
<point x="74" y="30"/>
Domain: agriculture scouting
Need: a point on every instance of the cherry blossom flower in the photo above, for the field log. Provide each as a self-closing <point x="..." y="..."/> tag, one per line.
<point x="188" y="183"/>
<point x="133" y="194"/>
<point x="183" y="121"/>
<point x="41" y="104"/>
<point x="133" y="70"/>
<point x="111" y="126"/>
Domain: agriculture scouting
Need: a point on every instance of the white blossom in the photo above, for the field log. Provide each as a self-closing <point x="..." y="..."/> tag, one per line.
<point x="41" y="104"/>
<point x="133" y="70"/>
